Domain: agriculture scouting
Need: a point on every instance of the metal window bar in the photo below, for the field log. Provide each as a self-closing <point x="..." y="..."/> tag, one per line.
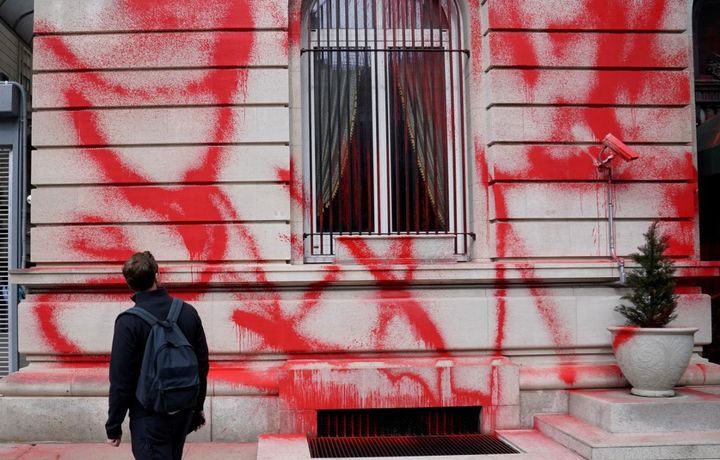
<point x="395" y="68"/>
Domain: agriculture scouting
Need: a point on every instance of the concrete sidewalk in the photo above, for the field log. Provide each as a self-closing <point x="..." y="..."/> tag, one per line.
<point x="193" y="451"/>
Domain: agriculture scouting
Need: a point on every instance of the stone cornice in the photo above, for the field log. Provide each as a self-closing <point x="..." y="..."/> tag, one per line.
<point x="286" y="275"/>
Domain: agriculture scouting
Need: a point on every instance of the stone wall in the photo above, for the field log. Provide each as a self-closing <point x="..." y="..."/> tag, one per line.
<point x="176" y="126"/>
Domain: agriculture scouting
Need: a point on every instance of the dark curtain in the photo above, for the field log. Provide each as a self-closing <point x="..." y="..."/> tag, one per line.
<point x="419" y="141"/>
<point x="343" y="141"/>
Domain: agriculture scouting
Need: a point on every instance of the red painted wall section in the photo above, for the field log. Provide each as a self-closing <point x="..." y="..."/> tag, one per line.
<point x="525" y="45"/>
<point x="589" y="15"/>
<point x="161" y="74"/>
<point x="165" y="125"/>
<point x="215" y="86"/>
<point x="560" y="78"/>
<point x="396" y="382"/>
<point x="169" y="15"/>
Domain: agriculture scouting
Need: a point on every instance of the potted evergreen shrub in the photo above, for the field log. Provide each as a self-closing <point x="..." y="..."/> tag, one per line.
<point x="651" y="355"/>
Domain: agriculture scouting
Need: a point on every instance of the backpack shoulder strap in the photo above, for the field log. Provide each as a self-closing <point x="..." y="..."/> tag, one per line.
<point x="175" y="309"/>
<point x="144" y="314"/>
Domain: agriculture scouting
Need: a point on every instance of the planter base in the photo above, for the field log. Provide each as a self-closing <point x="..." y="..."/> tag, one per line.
<point x="652" y="393"/>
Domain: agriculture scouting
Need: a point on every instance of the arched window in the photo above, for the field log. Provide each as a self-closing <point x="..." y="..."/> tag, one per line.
<point x="385" y="130"/>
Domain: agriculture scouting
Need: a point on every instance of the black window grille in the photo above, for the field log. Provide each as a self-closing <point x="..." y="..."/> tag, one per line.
<point x="385" y="120"/>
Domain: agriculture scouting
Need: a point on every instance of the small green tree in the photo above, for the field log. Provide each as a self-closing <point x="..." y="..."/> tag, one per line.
<point x="653" y="299"/>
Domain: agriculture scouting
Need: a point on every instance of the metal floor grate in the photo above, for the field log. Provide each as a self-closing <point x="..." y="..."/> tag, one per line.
<point x="419" y="421"/>
<point x="406" y="446"/>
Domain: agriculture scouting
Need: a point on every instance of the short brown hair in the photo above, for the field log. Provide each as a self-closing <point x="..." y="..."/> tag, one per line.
<point x="140" y="271"/>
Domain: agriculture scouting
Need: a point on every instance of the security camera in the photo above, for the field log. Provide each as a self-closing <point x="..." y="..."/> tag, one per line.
<point x="619" y="148"/>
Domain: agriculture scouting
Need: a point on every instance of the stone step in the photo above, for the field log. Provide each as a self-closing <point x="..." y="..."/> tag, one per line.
<point x="532" y="444"/>
<point x="595" y="443"/>
<point x="617" y="411"/>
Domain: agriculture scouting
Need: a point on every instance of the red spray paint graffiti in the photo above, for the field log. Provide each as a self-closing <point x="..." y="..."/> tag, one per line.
<point x="523" y="49"/>
<point x="279" y="329"/>
<point x="203" y="244"/>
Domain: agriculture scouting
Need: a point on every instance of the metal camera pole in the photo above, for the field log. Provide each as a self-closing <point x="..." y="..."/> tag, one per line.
<point x="603" y="165"/>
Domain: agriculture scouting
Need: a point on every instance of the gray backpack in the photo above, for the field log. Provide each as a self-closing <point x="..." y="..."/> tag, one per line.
<point x="169" y="378"/>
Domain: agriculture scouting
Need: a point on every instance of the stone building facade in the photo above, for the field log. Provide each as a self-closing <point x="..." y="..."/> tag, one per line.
<point x="185" y="128"/>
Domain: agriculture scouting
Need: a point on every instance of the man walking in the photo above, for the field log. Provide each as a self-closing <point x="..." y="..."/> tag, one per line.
<point x="155" y="435"/>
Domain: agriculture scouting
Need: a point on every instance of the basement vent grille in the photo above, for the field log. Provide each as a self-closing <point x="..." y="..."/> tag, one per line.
<point x="429" y="431"/>
<point x="4" y="255"/>
<point x="399" y="422"/>
<point x="407" y="446"/>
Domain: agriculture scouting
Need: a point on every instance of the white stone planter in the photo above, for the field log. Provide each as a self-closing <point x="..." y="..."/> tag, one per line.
<point x="653" y="359"/>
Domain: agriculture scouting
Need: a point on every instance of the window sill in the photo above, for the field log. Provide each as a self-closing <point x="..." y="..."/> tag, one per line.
<point x="395" y="249"/>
